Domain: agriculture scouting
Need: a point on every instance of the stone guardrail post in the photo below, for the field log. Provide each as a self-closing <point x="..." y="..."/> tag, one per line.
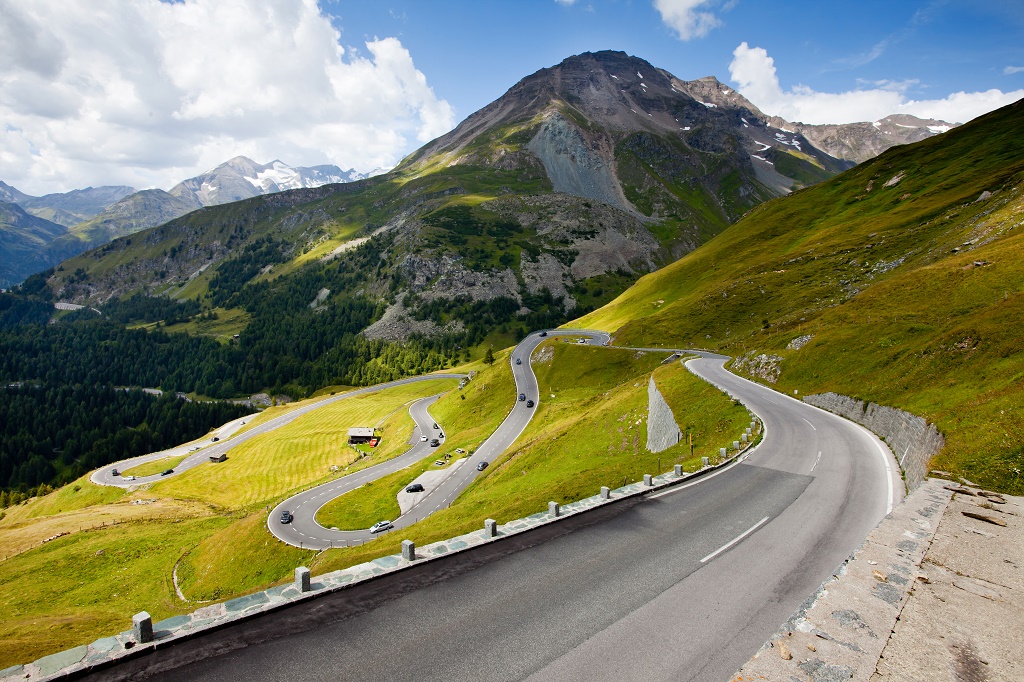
<point x="606" y="492"/>
<point x="490" y="528"/>
<point x="735" y="445"/>
<point x="408" y="550"/>
<point x="705" y="461"/>
<point x="648" y="480"/>
<point x="721" y="452"/>
<point x="302" y="579"/>
<point x="553" y="508"/>
<point x="743" y="437"/>
<point x="142" y="627"/>
<point x="678" y="469"/>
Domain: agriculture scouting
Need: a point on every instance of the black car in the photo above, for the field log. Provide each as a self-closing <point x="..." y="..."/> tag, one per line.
<point x="286" y="517"/>
<point x="522" y="397"/>
<point x="481" y="466"/>
<point x="543" y="333"/>
<point x="114" y="472"/>
<point x="434" y="443"/>
<point x="519" y="361"/>
<point x="436" y="426"/>
<point x="414" y="488"/>
<point x="167" y="472"/>
<point x="529" y="403"/>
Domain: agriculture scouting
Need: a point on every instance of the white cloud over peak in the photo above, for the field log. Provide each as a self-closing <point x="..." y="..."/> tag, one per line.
<point x="753" y="71"/>
<point x="686" y="17"/>
<point x="148" y="93"/>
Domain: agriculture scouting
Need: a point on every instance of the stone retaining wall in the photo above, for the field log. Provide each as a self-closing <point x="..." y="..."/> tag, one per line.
<point x="662" y="430"/>
<point x="913" y="440"/>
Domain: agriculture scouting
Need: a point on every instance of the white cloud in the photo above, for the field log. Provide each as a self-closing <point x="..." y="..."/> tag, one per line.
<point x="686" y="19"/>
<point x="567" y="3"/>
<point x="1010" y="70"/>
<point x="754" y="74"/>
<point x="147" y="93"/>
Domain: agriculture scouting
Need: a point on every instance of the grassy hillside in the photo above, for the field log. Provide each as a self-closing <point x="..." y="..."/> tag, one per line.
<point x="906" y="272"/>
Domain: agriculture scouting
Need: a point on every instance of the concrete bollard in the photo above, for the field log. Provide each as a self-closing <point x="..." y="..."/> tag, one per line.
<point x="648" y="480"/>
<point x="721" y="452"/>
<point x="142" y="627"/>
<point x="735" y="445"/>
<point x="302" y="579"/>
<point x="490" y="528"/>
<point x="749" y="432"/>
<point x="606" y="492"/>
<point x="408" y="550"/>
<point x="705" y="461"/>
<point x="743" y="437"/>
<point x="553" y="508"/>
<point x="678" y="469"/>
<point x="753" y="425"/>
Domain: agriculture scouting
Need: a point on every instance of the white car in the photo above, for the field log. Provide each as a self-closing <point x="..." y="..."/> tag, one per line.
<point x="423" y="439"/>
<point x="381" y="526"/>
<point x="129" y="478"/>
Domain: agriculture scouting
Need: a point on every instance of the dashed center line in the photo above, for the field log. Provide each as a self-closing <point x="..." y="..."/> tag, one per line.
<point x="809" y="423"/>
<point x="816" y="461"/>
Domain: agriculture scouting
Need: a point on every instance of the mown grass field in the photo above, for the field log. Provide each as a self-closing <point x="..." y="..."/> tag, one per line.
<point x="373" y="502"/>
<point x="906" y="270"/>
<point x="264" y="469"/>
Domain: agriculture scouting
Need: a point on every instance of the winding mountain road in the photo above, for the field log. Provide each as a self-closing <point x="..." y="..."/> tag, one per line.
<point x="683" y="584"/>
<point x="304" y="530"/>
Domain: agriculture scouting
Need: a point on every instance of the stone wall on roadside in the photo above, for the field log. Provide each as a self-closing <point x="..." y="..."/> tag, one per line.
<point x="912" y="439"/>
<point x="662" y="430"/>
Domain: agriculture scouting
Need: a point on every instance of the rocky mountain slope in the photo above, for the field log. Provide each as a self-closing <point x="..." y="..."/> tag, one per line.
<point x="23" y="239"/>
<point x="859" y="142"/>
<point x="579" y="179"/>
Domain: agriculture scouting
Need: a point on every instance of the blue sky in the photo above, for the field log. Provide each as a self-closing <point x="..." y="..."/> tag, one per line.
<point x="149" y="92"/>
<point x="472" y="51"/>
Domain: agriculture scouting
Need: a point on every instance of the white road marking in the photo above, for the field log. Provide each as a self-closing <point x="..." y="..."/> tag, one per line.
<point x="735" y="540"/>
<point x="808" y="423"/>
<point x="815" y="461"/>
<point x="771" y="401"/>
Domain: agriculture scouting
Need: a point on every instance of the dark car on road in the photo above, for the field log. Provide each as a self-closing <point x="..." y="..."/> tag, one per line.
<point x="114" y="472"/>
<point x="286" y="517"/>
<point x="167" y="472"/>
<point x="381" y="526"/>
<point x="481" y="466"/>
<point x="434" y="443"/>
<point x="529" y="403"/>
<point x="414" y="488"/>
<point x="543" y="333"/>
<point x="519" y="361"/>
<point x="522" y="397"/>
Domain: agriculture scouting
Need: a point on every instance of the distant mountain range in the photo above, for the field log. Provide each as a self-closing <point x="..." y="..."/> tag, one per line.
<point x="578" y="180"/>
<point x="95" y="216"/>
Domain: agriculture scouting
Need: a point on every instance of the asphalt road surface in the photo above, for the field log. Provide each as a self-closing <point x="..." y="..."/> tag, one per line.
<point x="685" y="585"/>
<point x="206" y="448"/>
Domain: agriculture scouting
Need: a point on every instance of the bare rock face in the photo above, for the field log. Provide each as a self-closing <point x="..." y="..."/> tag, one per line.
<point x="547" y="272"/>
<point x="576" y="165"/>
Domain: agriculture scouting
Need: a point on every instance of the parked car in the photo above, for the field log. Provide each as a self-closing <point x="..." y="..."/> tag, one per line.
<point x="434" y="443"/>
<point x="529" y="403"/>
<point x="381" y="526"/>
<point x="439" y="462"/>
<point x="460" y="451"/>
<point x="481" y="466"/>
<point x="519" y="361"/>
<point x="522" y="397"/>
<point x="286" y="517"/>
<point x="129" y="478"/>
<point x="414" y="488"/>
<point x="167" y="472"/>
<point x="582" y="341"/>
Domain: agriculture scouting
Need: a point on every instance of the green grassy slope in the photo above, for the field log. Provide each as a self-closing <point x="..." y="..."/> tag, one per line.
<point x="908" y="277"/>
